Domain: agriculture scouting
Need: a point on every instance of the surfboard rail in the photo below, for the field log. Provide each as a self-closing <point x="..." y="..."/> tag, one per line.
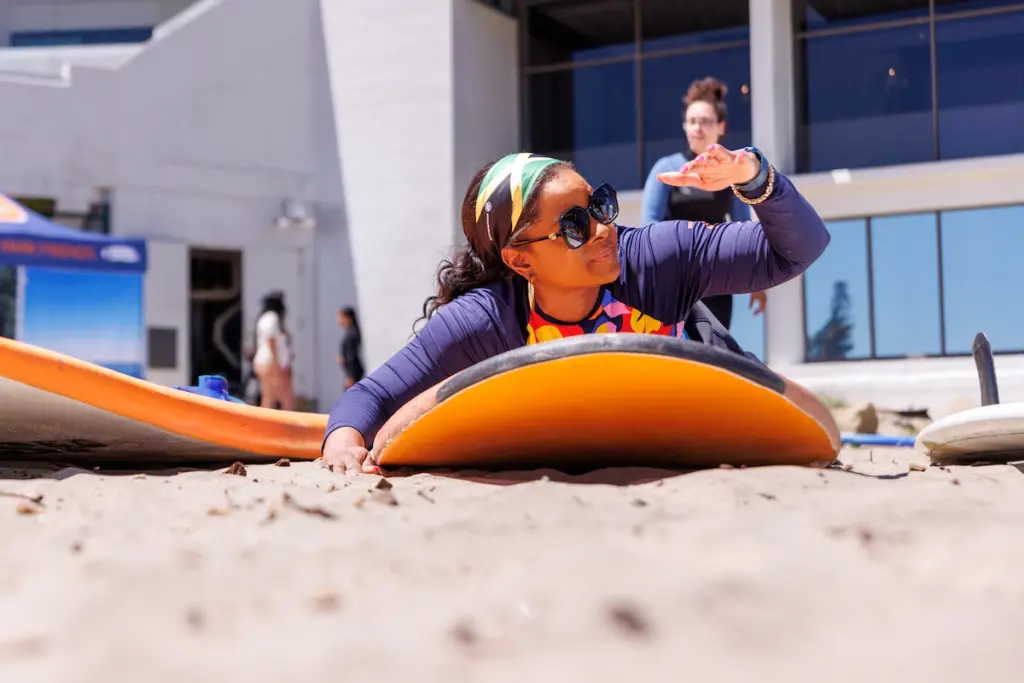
<point x="260" y="431"/>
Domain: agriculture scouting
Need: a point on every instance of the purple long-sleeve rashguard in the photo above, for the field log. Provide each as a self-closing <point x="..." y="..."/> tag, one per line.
<point x="666" y="268"/>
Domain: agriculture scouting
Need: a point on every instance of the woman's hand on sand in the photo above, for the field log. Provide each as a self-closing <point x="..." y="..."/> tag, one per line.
<point x="342" y="455"/>
<point x="715" y="170"/>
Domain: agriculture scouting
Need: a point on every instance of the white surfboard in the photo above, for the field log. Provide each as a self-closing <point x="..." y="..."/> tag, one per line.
<point x="992" y="432"/>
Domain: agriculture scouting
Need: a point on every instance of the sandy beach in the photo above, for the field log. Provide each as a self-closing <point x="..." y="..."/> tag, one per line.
<point x="879" y="570"/>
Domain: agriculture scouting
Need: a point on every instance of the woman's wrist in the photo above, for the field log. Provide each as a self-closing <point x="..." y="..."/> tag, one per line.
<point x="344" y="437"/>
<point x="760" y="177"/>
<point x="761" y="186"/>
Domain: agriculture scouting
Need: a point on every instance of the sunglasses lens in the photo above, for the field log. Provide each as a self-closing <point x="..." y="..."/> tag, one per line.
<point x="605" y="204"/>
<point x="576" y="228"/>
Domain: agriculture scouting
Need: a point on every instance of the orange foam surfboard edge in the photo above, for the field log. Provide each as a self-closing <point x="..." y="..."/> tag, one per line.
<point x="260" y="431"/>
<point x="677" y="408"/>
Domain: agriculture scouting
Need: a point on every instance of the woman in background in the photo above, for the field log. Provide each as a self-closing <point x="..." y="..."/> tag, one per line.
<point x="273" y="358"/>
<point x="350" y="353"/>
<point x="704" y="120"/>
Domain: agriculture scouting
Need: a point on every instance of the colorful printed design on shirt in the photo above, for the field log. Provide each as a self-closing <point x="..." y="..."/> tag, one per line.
<point x="611" y="316"/>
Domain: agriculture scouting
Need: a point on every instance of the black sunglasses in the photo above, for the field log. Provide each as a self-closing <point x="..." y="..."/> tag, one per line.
<point x="574" y="225"/>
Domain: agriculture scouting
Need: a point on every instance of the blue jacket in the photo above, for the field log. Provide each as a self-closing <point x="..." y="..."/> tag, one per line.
<point x="656" y="193"/>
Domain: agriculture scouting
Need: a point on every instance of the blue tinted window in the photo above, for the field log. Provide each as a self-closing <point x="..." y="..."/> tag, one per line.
<point x="81" y="37"/>
<point x="980" y="64"/>
<point x="945" y="7"/>
<point x="746" y="328"/>
<point x="588" y="116"/>
<point x="836" y="296"/>
<point x="905" y="275"/>
<point x="867" y="99"/>
<point x="981" y="275"/>
<point x="829" y="14"/>
<point x="666" y="80"/>
<point x="579" y="31"/>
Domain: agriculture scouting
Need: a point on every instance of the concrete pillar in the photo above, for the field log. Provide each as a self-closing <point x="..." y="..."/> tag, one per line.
<point x="773" y="93"/>
<point x="422" y="94"/>
<point x="390" y="75"/>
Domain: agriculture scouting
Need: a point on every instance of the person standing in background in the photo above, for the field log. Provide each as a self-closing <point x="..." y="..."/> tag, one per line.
<point x="704" y="122"/>
<point x="351" y="349"/>
<point x="272" y="361"/>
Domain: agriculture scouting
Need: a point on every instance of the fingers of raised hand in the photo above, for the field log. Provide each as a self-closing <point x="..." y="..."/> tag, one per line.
<point x="680" y="178"/>
<point x="719" y="154"/>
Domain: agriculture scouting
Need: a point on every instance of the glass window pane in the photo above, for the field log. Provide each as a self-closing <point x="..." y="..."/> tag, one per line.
<point x="836" y="296"/>
<point x="704" y="23"/>
<point x="832" y="14"/>
<point x="588" y="116"/>
<point x="746" y="328"/>
<point x="943" y="7"/>
<point x="980" y="63"/>
<point x="905" y="273"/>
<point x="867" y="99"/>
<point x="579" y="31"/>
<point x="981" y="252"/>
<point x="666" y="80"/>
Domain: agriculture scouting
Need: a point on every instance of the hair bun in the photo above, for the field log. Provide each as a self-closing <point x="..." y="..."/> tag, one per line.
<point x="707" y="89"/>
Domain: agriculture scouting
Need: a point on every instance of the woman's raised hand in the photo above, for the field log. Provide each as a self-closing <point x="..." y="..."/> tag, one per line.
<point x="715" y="170"/>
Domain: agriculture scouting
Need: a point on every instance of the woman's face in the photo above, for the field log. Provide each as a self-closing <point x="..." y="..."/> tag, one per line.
<point x="702" y="126"/>
<point x="552" y="262"/>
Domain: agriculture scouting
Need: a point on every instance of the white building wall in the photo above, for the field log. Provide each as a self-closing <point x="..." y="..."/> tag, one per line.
<point x="166" y="278"/>
<point x="398" y="105"/>
<point x="55" y="62"/>
<point x="200" y="145"/>
<point x="393" y="108"/>
<point x="486" y="85"/>
<point x="211" y="141"/>
<point x="316" y="100"/>
<point x="55" y="141"/>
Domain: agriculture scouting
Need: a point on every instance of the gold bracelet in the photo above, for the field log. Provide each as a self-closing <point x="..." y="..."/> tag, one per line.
<point x="767" y="191"/>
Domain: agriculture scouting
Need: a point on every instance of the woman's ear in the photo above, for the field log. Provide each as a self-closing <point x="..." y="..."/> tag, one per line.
<point x="518" y="260"/>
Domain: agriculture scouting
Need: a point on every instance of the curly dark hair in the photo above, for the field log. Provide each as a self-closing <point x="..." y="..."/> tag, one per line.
<point x="710" y="90"/>
<point x="479" y="262"/>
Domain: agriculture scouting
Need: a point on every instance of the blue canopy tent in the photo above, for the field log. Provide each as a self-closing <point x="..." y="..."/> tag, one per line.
<point x="28" y="239"/>
<point x="74" y="292"/>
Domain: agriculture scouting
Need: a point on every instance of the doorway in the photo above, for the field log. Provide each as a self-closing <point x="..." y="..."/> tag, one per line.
<point x="215" y="312"/>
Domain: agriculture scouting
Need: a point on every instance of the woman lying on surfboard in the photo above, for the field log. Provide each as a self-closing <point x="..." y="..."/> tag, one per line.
<point x="545" y="260"/>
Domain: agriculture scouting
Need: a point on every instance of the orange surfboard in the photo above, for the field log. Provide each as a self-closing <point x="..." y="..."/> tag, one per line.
<point x="612" y="400"/>
<point x="56" y="407"/>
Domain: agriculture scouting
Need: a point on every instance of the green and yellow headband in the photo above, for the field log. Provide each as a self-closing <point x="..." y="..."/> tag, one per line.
<point x="503" y="194"/>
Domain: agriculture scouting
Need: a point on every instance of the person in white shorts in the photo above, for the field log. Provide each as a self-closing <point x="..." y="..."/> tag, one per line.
<point x="272" y="362"/>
